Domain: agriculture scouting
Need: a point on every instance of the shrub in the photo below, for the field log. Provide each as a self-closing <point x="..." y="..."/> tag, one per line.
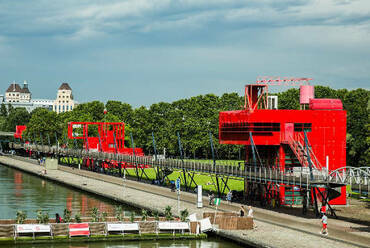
<point x="42" y="218"/>
<point x="132" y="217"/>
<point x="95" y="214"/>
<point x="67" y="216"/>
<point x="21" y="217"/>
<point x="144" y="215"/>
<point x="168" y="213"/>
<point x="156" y="215"/>
<point x="104" y="216"/>
<point x="45" y="218"/>
<point x="118" y="212"/>
<point x="39" y="216"/>
<point x="78" y="218"/>
<point x="184" y="214"/>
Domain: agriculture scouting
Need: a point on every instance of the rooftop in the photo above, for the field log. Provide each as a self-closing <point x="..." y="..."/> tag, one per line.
<point x="14" y="87"/>
<point x="65" y="86"/>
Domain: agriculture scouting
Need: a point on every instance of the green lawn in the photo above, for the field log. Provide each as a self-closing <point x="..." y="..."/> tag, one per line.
<point x="208" y="182"/>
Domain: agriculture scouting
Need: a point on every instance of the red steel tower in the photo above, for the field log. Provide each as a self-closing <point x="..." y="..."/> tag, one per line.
<point x="290" y="140"/>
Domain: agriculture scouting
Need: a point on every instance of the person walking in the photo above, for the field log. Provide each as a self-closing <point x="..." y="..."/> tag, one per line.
<point x="211" y="198"/>
<point x="250" y="215"/>
<point x="229" y="197"/>
<point x="250" y="212"/>
<point x="324" y="221"/>
<point x="242" y="211"/>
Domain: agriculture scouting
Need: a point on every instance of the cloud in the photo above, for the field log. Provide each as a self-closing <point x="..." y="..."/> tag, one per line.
<point x="90" y="18"/>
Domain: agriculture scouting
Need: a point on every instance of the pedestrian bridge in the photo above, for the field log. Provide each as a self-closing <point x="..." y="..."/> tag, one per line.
<point x="300" y="176"/>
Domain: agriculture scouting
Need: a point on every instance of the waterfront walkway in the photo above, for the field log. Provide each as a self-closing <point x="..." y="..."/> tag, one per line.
<point x="273" y="229"/>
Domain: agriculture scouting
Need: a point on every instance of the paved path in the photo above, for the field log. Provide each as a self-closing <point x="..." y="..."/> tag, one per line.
<point x="273" y="229"/>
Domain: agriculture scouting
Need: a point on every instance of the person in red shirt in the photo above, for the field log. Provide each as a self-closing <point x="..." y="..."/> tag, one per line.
<point x="324" y="221"/>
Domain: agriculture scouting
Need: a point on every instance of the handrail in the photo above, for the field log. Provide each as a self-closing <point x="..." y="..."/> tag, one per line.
<point x="312" y="154"/>
<point x="296" y="144"/>
<point x="343" y="175"/>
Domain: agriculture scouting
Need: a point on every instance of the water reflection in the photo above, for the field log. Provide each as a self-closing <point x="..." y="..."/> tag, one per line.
<point x="210" y="243"/>
<point x="20" y="191"/>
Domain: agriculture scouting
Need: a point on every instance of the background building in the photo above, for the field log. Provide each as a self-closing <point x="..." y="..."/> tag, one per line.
<point x="21" y="97"/>
<point x="15" y="93"/>
<point x="64" y="101"/>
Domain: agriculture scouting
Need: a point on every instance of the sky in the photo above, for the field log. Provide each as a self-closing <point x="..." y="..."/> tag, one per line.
<point x="146" y="51"/>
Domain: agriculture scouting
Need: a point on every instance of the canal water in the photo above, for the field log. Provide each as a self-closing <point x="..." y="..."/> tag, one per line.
<point x="21" y="191"/>
<point x="209" y="243"/>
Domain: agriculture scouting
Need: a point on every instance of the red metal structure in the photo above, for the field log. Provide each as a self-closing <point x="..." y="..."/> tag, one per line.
<point x="102" y="136"/>
<point x="279" y="135"/>
<point x="19" y="131"/>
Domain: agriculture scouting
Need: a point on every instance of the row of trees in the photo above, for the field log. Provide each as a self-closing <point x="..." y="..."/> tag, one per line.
<point x="193" y="118"/>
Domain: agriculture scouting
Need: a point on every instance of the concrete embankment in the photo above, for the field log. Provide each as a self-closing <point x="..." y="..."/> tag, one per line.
<point x="273" y="229"/>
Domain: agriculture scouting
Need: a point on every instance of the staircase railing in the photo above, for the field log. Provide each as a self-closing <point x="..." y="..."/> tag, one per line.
<point x="296" y="143"/>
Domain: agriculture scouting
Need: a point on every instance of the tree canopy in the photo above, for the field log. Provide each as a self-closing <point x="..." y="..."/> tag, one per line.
<point x="193" y="118"/>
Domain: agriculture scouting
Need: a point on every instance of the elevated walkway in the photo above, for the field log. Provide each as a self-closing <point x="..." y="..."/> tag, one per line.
<point x="302" y="178"/>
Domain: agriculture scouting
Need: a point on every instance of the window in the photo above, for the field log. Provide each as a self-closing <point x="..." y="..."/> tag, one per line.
<point x="300" y="127"/>
<point x="59" y="108"/>
<point x="246" y="127"/>
<point x="63" y="108"/>
<point x="67" y="107"/>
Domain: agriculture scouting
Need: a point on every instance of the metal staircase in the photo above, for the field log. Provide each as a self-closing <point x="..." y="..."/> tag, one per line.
<point x="303" y="151"/>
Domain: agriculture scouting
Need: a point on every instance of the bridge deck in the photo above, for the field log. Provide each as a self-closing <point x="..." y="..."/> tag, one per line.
<point x="302" y="178"/>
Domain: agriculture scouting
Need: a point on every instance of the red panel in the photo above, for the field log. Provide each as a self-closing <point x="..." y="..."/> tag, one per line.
<point x="81" y="229"/>
<point x="321" y="104"/>
<point x="288" y="131"/>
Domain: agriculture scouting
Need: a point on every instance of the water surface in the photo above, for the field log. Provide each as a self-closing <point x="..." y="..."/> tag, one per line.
<point x="22" y="191"/>
<point x="209" y="243"/>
